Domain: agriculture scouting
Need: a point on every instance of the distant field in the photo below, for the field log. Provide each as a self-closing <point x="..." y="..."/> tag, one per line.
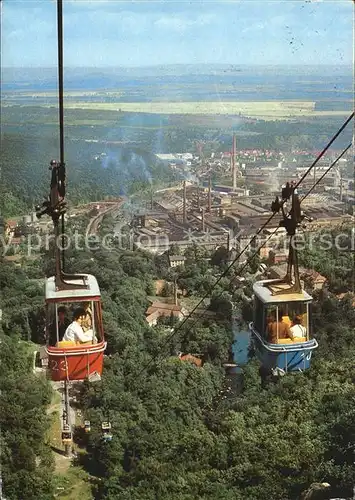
<point x="268" y="110"/>
<point x="71" y="93"/>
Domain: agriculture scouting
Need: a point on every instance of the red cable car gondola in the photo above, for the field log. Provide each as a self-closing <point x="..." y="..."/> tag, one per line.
<point x="70" y="360"/>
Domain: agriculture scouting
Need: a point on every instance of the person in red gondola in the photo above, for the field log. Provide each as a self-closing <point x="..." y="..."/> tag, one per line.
<point x="87" y="323"/>
<point x="75" y="332"/>
<point x="63" y="323"/>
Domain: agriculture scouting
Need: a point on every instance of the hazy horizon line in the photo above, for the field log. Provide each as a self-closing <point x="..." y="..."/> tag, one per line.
<point x="237" y="65"/>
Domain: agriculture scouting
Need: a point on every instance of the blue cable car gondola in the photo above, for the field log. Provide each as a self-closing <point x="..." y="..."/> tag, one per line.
<point x="286" y="354"/>
<point x="279" y="346"/>
<point x="106" y="431"/>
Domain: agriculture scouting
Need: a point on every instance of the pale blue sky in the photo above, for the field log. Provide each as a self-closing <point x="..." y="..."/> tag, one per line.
<point x="112" y="33"/>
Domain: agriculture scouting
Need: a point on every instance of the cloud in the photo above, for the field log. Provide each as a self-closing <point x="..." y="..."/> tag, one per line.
<point x="182" y="23"/>
<point x="254" y="27"/>
<point x="89" y="3"/>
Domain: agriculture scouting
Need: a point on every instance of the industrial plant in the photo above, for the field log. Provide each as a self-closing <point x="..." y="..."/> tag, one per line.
<point x="226" y="198"/>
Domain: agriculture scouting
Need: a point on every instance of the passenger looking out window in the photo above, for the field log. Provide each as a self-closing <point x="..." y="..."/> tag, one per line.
<point x="75" y="332"/>
<point x="298" y="330"/>
<point x="87" y="323"/>
<point x="62" y="325"/>
<point x="270" y="319"/>
<point x="286" y="319"/>
<point x="278" y="329"/>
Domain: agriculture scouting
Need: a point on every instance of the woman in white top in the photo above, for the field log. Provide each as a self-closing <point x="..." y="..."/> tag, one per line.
<point x="75" y="332"/>
<point x="298" y="330"/>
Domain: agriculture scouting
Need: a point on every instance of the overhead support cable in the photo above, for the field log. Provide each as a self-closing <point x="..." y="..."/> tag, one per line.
<point x="327" y="171"/>
<point x="61" y="107"/>
<point x="325" y="149"/>
<point x="274" y="232"/>
<point x="180" y="325"/>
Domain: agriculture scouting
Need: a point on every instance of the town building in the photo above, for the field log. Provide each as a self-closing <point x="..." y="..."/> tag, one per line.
<point x="163" y="310"/>
<point x="176" y="260"/>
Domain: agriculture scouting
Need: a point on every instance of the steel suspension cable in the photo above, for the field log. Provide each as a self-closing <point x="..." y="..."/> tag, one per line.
<point x="61" y="105"/>
<point x="326" y="172"/>
<point x="325" y="149"/>
<point x="218" y="404"/>
<point x="261" y="246"/>
<point x="274" y="232"/>
<point x="178" y="328"/>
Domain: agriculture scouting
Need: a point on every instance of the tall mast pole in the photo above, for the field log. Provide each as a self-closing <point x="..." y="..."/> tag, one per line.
<point x="234" y="167"/>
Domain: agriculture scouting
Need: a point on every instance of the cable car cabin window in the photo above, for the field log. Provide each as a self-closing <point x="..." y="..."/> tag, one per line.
<point x="309" y="324"/>
<point x="258" y="315"/>
<point x="58" y="320"/>
<point x="298" y="315"/>
<point x="98" y="321"/>
<point x="294" y="314"/>
<point x="270" y="315"/>
<point x="75" y="322"/>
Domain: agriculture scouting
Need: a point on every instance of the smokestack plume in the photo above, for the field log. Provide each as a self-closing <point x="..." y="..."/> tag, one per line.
<point x="234" y="167"/>
<point x="209" y="194"/>
<point x="184" y="204"/>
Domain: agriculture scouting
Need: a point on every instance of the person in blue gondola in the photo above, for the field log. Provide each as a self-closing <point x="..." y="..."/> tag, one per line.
<point x="278" y="329"/>
<point x="75" y="332"/>
<point x="297" y="330"/>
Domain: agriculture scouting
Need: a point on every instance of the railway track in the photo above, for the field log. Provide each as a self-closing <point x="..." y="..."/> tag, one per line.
<point x="94" y="223"/>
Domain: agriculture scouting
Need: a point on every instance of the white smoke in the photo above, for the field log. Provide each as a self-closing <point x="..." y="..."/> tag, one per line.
<point x="273" y="182"/>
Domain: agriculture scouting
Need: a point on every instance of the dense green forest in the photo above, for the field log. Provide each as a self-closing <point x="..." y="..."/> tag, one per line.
<point x="331" y="253"/>
<point x="179" y="431"/>
<point x="26" y="460"/>
<point x="118" y="171"/>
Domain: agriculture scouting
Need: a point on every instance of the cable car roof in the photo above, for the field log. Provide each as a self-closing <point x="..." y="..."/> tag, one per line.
<point x="52" y="294"/>
<point x="264" y="293"/>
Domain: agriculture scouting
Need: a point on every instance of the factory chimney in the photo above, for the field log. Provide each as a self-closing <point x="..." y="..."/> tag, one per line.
<point x="203" y="221"/>
<point x="209" y="194"/>
<point x="234" y="167"/>
<point x="151" y="199"/>
<point x="184" y="204"/>
<point x="175" y="293"/>
<point x="341" y="187"/>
